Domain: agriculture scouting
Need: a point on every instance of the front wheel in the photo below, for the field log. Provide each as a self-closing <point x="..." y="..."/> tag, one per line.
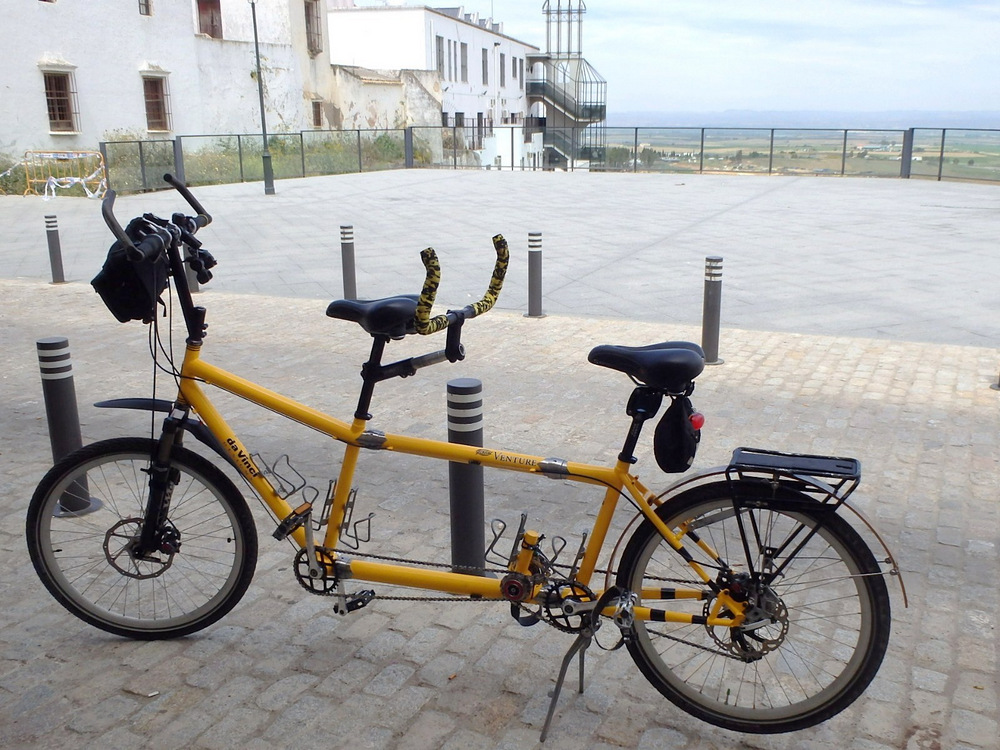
<point x="86" y="558"/>
<point x="814" y="635"/>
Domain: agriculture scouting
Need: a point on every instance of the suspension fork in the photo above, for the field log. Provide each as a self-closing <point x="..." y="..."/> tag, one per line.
<point x="162" y="480"/>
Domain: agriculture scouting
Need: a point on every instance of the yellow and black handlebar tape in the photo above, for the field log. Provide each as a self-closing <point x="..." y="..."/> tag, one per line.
<point x="423" y="322"/>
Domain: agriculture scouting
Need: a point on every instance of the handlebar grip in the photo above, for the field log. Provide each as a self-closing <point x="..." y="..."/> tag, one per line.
<point x="149" y="247"/>
<point x="496" y="281"/>
<point x="422" y="321"/>
<point x="204" y="218"/>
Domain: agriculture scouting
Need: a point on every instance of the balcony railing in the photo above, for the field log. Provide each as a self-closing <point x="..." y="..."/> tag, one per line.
<point x="564" y="99"/>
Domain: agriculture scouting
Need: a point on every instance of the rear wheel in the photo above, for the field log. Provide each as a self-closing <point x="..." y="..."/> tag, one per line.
<point x="87" y="558"/>
<point x="814" y="637"/>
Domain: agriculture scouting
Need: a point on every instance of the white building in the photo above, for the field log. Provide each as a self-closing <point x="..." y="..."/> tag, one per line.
<point x="481" y="71"/>
<point x="76" y="73"/>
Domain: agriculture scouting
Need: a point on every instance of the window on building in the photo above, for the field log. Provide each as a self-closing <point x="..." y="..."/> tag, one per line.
<point x="145" y="7"/>
<point x="444" y="119"/>
<point x="317" y="114"/>
<point x="60" y="100"/>
<point x="154" y="89"/>
<point x="486" y="66"/>
<point x="465" y="62"/>
<point x="460" y="119"/>
<point x="520" y="65"/>
<point x="503" y="69"/>
<point x="513" y="68"/>
<point x="439" y="44"/>
<point x="314" y="27"/>
<point x="451" y="76"/>
<point x="210" y="18"/>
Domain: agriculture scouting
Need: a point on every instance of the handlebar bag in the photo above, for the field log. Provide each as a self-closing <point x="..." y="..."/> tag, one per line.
<point x="131" y="289"/>
<point x="675" y="441"/>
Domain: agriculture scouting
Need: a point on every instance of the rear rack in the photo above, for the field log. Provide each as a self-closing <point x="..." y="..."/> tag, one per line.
<point x="802" y="471"/>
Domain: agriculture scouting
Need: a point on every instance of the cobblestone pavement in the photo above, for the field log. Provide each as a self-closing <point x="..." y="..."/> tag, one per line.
<point x="282" y="670"/>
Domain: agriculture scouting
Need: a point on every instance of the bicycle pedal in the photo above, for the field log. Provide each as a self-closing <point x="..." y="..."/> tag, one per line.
<point x="292" y="521"/>
<point x="358" y="600"/>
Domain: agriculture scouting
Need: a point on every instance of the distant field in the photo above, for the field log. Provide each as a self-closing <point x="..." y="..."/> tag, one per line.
<point x="967" y="154"/>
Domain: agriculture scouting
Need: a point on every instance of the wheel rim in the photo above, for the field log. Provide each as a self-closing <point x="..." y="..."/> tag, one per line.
<point x="86" y="558"/>
<point x="823" y="597"/>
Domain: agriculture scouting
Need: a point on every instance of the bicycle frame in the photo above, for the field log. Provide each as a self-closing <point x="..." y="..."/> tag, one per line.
<point x="617" y="480"/>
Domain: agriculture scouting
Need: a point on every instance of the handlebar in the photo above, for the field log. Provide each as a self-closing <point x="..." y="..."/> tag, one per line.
<point x="157" y="238"/>
<point x="424" y="324"/>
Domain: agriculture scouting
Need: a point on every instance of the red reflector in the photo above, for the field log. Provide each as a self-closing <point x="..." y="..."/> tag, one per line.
<point x="697" y="420"/>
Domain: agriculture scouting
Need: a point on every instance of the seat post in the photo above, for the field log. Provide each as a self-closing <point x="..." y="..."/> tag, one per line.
<point x="371" y="373"/>
<point x="643" y="404"/>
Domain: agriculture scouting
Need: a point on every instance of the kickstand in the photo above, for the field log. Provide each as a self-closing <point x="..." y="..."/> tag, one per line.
<point x="580" y="645"/>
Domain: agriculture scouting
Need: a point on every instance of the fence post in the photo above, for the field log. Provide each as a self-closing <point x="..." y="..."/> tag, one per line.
<point x="302" y="151"/>
<point x="534" y="275"/>
<point x="239" y="150"/>
<point x="347" y="261"/>
<point x="770" y="154"/>
<point x="711" y="310"/>
<point x="843" y="155"/>
<point x="944" y="132"/>
<point x="468" y="524"/>
<point x="907" y="156"/>
<point x="142" y="167"/>
<point x="55" y="249"/>
<point x="408" y="147"/>
<point x="635" y="151"/>
<point x="62" y="416"/>
<point x="701" y="153"/>
<point x="361" y="167"/>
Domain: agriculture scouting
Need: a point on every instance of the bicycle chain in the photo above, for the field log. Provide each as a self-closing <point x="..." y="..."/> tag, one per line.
<point x="503" y="571"/>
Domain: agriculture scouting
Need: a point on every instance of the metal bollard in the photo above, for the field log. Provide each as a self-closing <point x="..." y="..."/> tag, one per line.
<point x="63" y="419"/>
<point x="347" y="261"/>
<point x="468" y="524"/>
<point x="55" y="249"/>
<point x="534" y="275"/>
<point x="712" y="310"/>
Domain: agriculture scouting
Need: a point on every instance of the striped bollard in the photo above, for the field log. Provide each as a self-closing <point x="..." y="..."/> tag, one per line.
<point x="61" y="413"/>
<point x="468" y="524"/>
<point x="55" y="249"/>
<point x="711" y="310"/>
<point x="535" y="275"/>
<point x="347" y="261"/>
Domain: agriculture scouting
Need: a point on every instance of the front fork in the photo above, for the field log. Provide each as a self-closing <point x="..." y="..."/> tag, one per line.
<point x="157" y="535"/>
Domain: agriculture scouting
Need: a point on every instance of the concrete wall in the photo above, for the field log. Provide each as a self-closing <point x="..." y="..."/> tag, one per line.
<point x="405" y="38"/>
<point x="108" y="46"/>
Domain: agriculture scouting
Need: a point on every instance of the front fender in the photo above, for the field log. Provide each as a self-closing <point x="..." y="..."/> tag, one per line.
<point x="194" y="426"/>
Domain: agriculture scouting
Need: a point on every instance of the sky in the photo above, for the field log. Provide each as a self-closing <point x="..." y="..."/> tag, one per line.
<point x="779" y="55"/>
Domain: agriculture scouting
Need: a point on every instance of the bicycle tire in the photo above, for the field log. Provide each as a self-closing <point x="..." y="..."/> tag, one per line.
<point x="834" y="611"/>
<point x="83" y="558"/>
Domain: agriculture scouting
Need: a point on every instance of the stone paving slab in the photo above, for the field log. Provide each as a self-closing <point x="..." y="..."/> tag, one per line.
<point x="910" y="260"/>
<point x="283" y="671"/>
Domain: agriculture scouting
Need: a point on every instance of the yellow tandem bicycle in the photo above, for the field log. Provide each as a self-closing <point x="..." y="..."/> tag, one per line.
<point x="743" y="594"/>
